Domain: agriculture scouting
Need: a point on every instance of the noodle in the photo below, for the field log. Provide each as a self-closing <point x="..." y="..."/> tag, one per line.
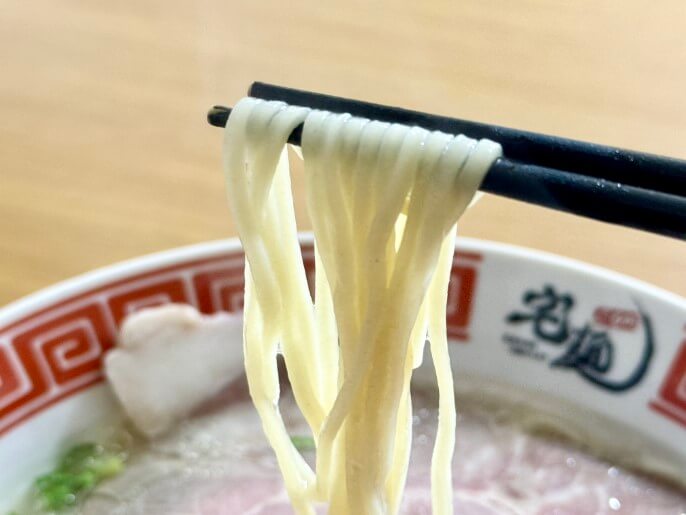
<point x="383" y="200"/>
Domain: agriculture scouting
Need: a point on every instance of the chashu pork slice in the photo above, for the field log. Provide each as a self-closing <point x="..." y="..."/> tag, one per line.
<point x="169" y="360"/>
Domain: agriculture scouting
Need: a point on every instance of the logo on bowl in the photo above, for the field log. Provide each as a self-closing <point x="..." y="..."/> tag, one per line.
<point x="610" y="347"/>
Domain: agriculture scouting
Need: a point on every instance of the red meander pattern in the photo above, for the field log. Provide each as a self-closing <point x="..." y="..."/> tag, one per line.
<point x="57" y="351"/>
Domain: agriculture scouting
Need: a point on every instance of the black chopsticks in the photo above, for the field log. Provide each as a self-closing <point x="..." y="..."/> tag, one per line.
<point x="633" y="189"/>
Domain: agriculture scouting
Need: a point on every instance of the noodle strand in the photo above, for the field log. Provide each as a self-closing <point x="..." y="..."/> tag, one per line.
<point x="384" y="200"/>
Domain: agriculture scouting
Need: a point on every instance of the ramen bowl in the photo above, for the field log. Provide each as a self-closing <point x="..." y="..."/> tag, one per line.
<point x="603" y="353"/>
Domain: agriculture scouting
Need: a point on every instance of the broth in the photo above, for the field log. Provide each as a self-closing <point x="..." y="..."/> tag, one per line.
<point x="219" y="462"/>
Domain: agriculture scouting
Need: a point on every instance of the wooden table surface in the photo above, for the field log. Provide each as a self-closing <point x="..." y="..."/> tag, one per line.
<point x="105" y="154"/>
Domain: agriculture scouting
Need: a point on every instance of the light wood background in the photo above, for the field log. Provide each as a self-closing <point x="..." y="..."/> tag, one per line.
<point x="105" y="154"/>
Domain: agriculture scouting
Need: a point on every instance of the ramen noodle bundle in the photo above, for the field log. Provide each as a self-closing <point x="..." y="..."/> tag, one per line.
<point x="383" y="200"/>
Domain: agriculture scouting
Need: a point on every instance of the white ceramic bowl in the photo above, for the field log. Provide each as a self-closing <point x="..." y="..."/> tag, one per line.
<point x="604" y="352"/>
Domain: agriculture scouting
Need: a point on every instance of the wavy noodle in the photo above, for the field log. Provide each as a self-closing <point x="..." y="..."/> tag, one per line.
<point x="383" y="200"/>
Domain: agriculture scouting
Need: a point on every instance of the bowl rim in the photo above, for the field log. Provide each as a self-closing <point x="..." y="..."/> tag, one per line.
<point x="121" y="270"/>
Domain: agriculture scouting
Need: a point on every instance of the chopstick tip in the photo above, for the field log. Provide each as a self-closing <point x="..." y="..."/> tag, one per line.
<point x="218" y="115"/>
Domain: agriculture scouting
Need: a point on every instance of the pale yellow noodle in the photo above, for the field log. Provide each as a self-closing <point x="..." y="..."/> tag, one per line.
<point x="441" y="466"/>
<point x="383" y="200"/>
